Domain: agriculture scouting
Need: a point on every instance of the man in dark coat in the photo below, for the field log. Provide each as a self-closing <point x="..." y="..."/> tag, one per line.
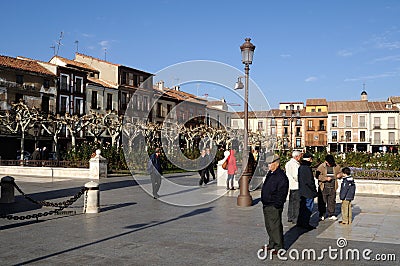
<point x="36" y="154"/>
<point x="273" y="196"/>
<point x="307" y="192"/>
<point x="155" y="171"/>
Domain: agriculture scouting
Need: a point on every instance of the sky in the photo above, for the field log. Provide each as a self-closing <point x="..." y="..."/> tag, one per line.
<point x="304" y="49"/>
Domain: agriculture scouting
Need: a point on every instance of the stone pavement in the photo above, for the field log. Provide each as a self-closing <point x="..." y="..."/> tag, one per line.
<point x="134" y="229"/>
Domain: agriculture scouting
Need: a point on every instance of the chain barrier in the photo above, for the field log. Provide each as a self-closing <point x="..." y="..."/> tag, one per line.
<point x="60" y="206"/>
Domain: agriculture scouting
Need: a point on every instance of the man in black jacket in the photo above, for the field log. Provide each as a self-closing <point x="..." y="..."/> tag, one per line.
<point x="155" y="171"/>
<point x="273" y="197"/>
<point x="307" y="192"/>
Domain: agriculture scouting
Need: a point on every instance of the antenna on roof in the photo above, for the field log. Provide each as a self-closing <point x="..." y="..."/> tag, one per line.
<point x="59" y="42"/>
<point x="54" y="49"/>
<point x="76" y="42"/>
<point x="105" y="53"/>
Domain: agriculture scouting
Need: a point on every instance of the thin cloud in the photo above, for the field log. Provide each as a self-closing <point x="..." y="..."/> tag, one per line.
<point x="104" y="43"/>
<point x="344" y="53"/>
<point x="377" y="76"/>
<point x="311" y="79"/>
<point x="392" y="58"/>
<point x="285" y="55"/>
<point x="87" y="35"/>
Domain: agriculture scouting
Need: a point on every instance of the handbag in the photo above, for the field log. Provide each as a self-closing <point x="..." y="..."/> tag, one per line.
<point x="225" y="164"/>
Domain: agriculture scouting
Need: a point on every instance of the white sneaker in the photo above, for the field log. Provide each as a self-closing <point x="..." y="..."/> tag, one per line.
<point x="322" y="218"/>
<point x="333" y="218"/>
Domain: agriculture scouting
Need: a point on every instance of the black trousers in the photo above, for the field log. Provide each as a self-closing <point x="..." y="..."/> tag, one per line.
<point x="210" y="170"/>
<point x="274" y="227"/>
<point x="203" y="177"/>
<point x="294" y="205"/>
<point x="155" y="182"/>
<point x="321" y="203"/>
<point x="329" y="195"/>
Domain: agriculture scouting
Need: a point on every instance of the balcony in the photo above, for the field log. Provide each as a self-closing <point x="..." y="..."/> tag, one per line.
<point x="273" y="123"/>
<point x="377" y="126"/>
<point x="362" y="125"/>
<point x="377" y="142"/>
<point x="322" y="128"/>
<point x="391" y="126"/>
<point x="310" y="128"/>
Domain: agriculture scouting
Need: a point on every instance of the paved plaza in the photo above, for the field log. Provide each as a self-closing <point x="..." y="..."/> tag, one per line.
<point x="135" y="229"/>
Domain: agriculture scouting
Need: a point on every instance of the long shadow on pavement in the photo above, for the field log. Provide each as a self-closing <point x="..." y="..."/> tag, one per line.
<point x="136" y="228"/>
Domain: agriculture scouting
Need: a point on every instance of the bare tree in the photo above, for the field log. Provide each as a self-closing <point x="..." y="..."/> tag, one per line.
<point x="19" y="120"/>
<point x="113" y="124"/>
<point x="53" y="125"/>
<point x="74" y="125"/>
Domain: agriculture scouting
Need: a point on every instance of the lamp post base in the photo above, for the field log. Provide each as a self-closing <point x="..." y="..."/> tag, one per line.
<point x="244" y="199"/>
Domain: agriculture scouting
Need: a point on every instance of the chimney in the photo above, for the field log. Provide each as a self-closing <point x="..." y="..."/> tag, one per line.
<point x="160" y="85"/>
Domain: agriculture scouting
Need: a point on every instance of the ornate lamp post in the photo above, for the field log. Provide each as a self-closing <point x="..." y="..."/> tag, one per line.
<point x="244" y="199"/>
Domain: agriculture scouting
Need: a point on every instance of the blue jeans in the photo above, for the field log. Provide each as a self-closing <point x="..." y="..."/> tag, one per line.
<point x="306" y="208"/>
<point x="230" y="178"/>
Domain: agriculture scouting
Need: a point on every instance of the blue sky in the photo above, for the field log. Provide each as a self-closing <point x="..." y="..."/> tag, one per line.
<point x="304" y="49"/>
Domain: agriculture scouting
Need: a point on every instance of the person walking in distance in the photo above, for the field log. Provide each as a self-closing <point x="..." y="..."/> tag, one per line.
<point x="273" y="196"/>
<point x="232" y="168"/>
<point x="203" y="168"/>
<point x="210" y="167"/>
<point x="292" y="167"/>
<point x="307" y="192"/>
<point x="155" y="171"/>
<point x="327" y="173"/>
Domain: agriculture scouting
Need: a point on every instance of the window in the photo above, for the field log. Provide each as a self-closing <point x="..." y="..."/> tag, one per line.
<point x="169" y="108"/>
<point x="145" y="103"/>
<point x="391" y="123"/>
<point x="391" y="137"/>
<point x="136" y="102"/>
<point x="208" y="120"/>
<point x="78" y="106"/>
<point x="124" y="100"/>
<point x="319" y="110"/>
<point x="46" y="83"/>
<point x="362" y="121"/>
<point x="347" y="121"/>
<point x="19" y="79"/>
<point x="310" y="125"/>
<point x="64" y="104"/>
<point x="130" y="79"/>
<point x="109" y="101"/>
<point x="94" y="100"/>
<point x="362" y="136"/>
<point x="298" y="143"/>
<point x="321" y="125"/>
<point x="313" y="110"/>
<point x="348" y="136"/>
<point x="377" y="138"/>
<point x="159" y="110"/>
<point x="377" y="122"/>
<point x="334" y="121"/>
<point x="64" y="82"/>
<point x="79" y="84"/>
<point x="285" y="122"/>
<point x="273" y="131"/>
<point x="285" y="131"/>
<point x="260" y="126"/>
<point x="334" y="136"/>
<point x="45" y="103"/>
<point x="273" y="122"/>
<point x="19" y="97"/>
<point x="298" y="132"/>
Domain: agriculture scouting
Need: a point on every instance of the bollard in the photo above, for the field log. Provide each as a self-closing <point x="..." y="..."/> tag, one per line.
<point x="92" y="198"/>
<point x="7" y="190"/>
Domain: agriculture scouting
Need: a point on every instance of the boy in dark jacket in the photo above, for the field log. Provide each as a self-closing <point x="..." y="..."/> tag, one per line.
<point x="347" y="192"/>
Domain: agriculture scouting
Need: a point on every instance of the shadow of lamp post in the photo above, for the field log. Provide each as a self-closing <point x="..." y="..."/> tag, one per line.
<point x="244" y="199"/>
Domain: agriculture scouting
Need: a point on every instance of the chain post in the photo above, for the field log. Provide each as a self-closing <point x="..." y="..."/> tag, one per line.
<point x="7" y="190"/>
<point x="92" y="198"/>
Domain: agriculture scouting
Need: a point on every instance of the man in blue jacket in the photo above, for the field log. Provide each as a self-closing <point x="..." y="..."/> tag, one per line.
<point x="273" y="196"/>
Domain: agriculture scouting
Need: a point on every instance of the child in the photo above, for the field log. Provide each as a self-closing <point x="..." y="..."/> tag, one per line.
<point x="347" y="192"/>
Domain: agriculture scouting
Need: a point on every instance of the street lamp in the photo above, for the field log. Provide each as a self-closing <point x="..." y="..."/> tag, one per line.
<point x="244" y="199"/>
